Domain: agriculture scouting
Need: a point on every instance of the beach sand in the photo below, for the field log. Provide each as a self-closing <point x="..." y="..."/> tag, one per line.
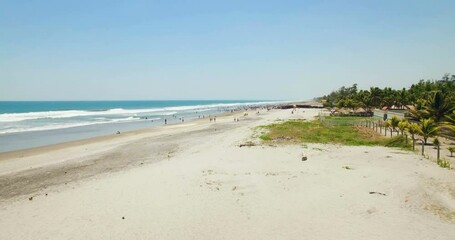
<point x="193" y="181"/>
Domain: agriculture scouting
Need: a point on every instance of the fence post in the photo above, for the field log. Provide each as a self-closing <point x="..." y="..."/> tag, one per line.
<point x="438" y="152"/>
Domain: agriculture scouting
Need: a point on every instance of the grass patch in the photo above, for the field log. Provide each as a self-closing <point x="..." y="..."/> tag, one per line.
<point x="265" y="137"/>
<point x="398" y="142"/>
<point x="444" y="163"/>
<point x="343" y="121"/>
<point x="315" y="132"/>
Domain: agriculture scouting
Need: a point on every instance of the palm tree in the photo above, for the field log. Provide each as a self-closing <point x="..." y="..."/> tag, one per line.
<point x="376" y="96"/>
<point x="388" y="97"/>
<point x="449" y="122"/>
<point x="413" y="129"/>
<point x="352" y="103"/>
<point x="394" y="121"/>
<point x="403" y="98"/>
<point x="438" y="107"/>
<point x="402" y="125"/>
<point x="428" y="128"/>
<point x="417" y="112"/>
<point x="365" y="100"/>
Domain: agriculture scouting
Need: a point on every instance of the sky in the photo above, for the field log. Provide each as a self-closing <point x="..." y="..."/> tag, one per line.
<point x="243" y="50"/>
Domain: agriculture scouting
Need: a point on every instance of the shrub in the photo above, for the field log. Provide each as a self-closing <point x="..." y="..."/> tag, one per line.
<point x="452" y="150"/>
<point x="444" y="163"/>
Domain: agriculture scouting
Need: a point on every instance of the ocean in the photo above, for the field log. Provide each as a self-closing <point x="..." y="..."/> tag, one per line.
<point x="27" y="124"/>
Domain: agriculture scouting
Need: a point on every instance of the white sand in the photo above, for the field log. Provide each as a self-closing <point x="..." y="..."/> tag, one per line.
<point x="209" y="188"/>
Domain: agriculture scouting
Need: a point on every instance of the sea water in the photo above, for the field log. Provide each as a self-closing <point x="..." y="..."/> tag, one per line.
<point x="27" y="124"/>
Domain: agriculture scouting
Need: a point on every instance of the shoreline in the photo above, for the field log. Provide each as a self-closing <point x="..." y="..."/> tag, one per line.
<point x="17" y="141"/>
<point x="41" y="162"/>
<point x="71" y="134"/>
<point x="32" y="150"/>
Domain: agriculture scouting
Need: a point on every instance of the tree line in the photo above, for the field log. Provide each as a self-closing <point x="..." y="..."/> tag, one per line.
<point x="416" y="95"/>
<point x="429" y="105"/>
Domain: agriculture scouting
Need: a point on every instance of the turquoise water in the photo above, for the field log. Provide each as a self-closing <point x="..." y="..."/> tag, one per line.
<point x="31" y="124"/>
<point x="43" y="106"/>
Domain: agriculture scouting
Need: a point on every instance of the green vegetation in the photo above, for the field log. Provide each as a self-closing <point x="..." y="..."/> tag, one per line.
<point x="316" y="132"/>
<point x="428" y="128"/>
<point x="429" y="108"/>
<point x="342" y="121"/>
<point x="394" y="121"/>
<point x="431" y="99"/>
<point x="436" y="107"/>
<point x="444" y="163"/>
<point x="397" y="142"/>
<point x="403" y="125"/>
<point x="452" y="150"/>
<point x="265" y="137"/>
<point x="436" y="98"/>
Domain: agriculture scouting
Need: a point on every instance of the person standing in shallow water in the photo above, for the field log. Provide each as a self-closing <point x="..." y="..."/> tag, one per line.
<point x="165" y="121"/>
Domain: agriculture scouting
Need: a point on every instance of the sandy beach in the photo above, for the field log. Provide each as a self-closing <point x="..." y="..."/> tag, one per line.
<point x="194" y="181"/>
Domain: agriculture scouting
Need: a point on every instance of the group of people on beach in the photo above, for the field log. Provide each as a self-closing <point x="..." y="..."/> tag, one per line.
<point x="236" y="119"/>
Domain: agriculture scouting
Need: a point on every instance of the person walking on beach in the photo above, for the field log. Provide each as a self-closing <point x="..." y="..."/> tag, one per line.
<point x="165" y="121"/>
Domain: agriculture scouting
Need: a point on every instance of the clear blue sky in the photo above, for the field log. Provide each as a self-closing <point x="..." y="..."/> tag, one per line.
<point x="98" y="50"/>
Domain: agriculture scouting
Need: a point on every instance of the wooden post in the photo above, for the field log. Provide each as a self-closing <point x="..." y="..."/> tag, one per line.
<point x="438" y="152"/>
